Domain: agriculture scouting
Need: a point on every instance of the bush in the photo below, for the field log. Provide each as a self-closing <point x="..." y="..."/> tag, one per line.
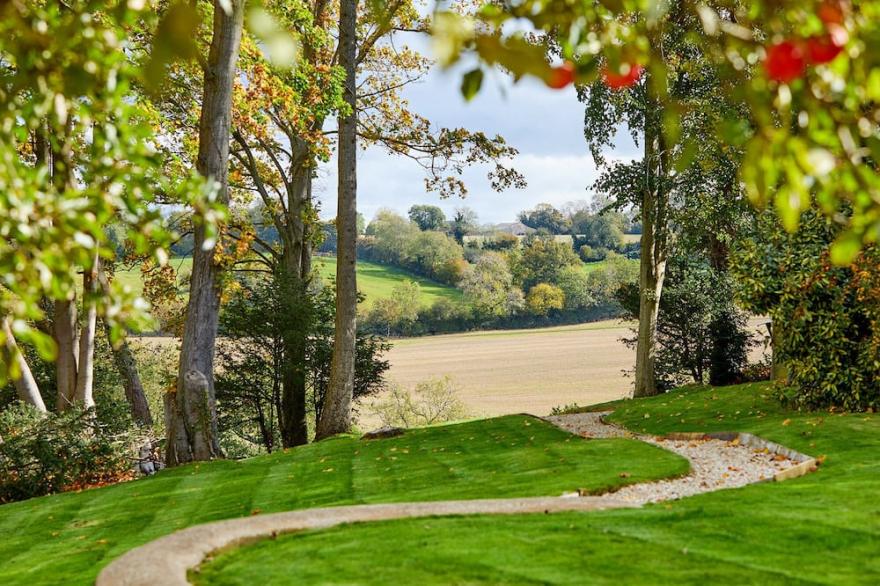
<point x="44" y="454"/>
<point x="432" y="401"/>
<point x="826" y="319"/>
<point x="544" y="298"/>
<point x="592" y="254"/>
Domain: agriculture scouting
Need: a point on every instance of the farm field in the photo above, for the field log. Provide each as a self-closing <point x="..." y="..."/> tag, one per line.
<point x="514" y="371"/>
<point x="525" y="371"/>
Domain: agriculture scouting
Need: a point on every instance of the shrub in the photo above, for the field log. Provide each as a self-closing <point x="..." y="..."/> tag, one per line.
<point x="592" y="254"/>
<point x="43" y="454"/>
<point x="543" y="298"/>
<point x="432" y="401"/>
<point x="826" y="319"/>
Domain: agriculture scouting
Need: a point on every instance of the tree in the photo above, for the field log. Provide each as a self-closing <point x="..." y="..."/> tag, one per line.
<point x="254" y="365"/>
<point x="398" y="311"/>
<point x="702" y="336"/>
<point x="541" y="260"/>
<point x="463" y="223"/>
<point x="392" y="234"/>
<point x="78" y="154"/>
<point x="598" y="230"/>
<point x="190" y="410"/>
<point x="432" y="254"/>
<point x="575" y="284"/>
<point x="777" y="58"/>
<point x="543" y="298"/>
<point x="336" y="416"/>
<point x="488" y="287"/>
<point x="428" y="217"/>
<point x="547" y="217"/>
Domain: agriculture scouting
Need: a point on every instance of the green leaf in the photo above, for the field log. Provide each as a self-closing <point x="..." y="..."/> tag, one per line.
<point x="845" y="249"/>
<point x="471" y="84"/>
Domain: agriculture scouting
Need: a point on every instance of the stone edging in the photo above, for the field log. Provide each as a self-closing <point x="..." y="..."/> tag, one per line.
<point x="805" y="464"/>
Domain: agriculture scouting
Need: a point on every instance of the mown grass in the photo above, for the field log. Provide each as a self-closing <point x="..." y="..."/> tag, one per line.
<point x="68" y="538"/>
<point x="377" y="281"/>
<point x="823" y="528"/>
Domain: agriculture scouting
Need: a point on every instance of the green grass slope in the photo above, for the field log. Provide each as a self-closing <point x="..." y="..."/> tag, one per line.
<point x="68" y="538"/>
<point x="823" y="528"/>
<point x="376" y="281"/>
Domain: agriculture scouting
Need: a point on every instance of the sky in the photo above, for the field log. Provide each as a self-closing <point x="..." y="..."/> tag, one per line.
<point x="544" y="125"/>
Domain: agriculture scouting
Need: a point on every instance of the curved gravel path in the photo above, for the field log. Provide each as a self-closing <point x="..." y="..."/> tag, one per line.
<point x="715" y="464"/>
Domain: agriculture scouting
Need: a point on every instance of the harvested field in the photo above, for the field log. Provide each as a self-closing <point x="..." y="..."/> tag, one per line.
<point x="524" y="371"/>
<point x="521" y="370"/>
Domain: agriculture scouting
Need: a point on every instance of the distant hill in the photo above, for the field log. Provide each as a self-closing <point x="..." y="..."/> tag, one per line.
<point x="376" y="281"/>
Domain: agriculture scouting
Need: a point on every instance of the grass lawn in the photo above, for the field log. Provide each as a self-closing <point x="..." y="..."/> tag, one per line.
<point x="823" y="528"/>
<point x="376" y="281"/>
<point x="68" y="538"/>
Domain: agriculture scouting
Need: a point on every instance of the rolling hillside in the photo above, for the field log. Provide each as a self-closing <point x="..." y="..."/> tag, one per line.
<point x="375" y="281"/>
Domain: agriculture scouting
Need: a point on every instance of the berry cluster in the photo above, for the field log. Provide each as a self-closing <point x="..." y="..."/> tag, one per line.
<point x="788" y="59"/>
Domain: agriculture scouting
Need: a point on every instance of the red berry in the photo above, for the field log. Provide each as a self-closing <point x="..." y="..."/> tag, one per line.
<point x="785" y="61"/>
<point x="561" y="76"/>
<point x="822" y="49"/>
<point x="617" y="81"/>
<point x="830" y="13"/>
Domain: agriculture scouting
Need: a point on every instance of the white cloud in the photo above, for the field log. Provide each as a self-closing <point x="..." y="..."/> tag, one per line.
<point x="546" y="126"/>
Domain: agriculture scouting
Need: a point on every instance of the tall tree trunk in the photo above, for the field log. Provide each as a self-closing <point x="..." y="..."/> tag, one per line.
<point x="126" y="365"/>
<point x="654" y="243"/>
<point x="336" y="414"/>
<point x="294" y="427"/>
<point x="85" y="372"/>
<point x="192" y="421"/>
<point x="295" y="280"/>
<point x="64" y="331"/>
<point x="25" y="384"/>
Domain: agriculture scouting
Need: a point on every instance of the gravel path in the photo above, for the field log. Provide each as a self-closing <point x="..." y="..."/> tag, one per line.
<point x="715" y="464"/>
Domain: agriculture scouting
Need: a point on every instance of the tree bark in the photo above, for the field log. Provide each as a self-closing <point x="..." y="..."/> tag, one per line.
<point x="192" y="421"/>
<point x="25" y="384"/>
<point x="85" y="372"/>
<point x="336" y="414"/>
<point x="654" y="245"/>
<point x="295" y="272"/>
<point x="64" y="331"/>
<point x="126" y="364"/>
